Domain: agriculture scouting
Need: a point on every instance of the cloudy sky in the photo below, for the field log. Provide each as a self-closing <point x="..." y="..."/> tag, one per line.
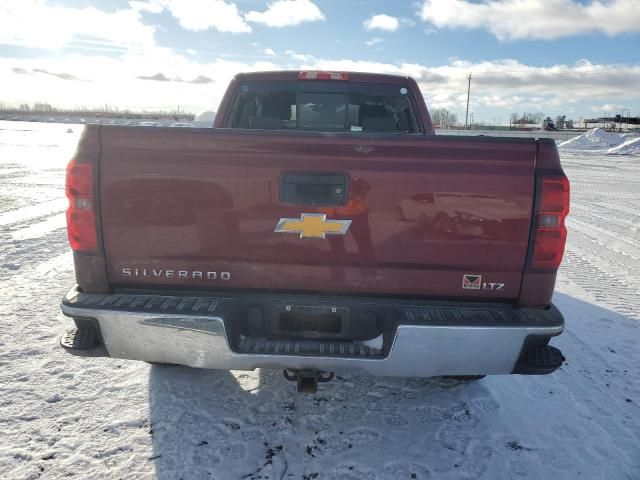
<point x="574" y="57"/>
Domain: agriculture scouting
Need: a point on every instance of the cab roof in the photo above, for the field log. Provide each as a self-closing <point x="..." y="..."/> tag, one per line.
<point x="293" y="75"/>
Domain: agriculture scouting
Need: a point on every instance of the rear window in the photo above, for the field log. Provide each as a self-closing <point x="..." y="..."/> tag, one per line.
<point x="323" y="106"/>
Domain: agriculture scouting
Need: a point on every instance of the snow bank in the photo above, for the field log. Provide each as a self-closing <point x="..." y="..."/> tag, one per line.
<point x="600" y="141"/>
<point x="629" y="147"/>
<point x="205" y="119"/>
<point x="595" y="139"/>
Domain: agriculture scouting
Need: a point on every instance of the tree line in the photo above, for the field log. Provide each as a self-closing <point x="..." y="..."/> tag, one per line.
<point x="443" y="117"/>
<point x="107" y="110"/>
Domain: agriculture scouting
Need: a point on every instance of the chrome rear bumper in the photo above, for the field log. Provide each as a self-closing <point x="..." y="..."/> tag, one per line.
<point x="428" y="340"/>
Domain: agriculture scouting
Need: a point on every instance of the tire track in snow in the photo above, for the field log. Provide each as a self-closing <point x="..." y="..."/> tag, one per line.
<point x="40" y="229"/>
<point x="613" y="223"/>
<point x="605" y="288"/>
<point x="611" y="260"/>
<point x="33" y="211"/>
<point x="600" y="249"/>
<point x="630" y="247"/>
<point x="624" y="216"/>
<point x="18" y="256"/>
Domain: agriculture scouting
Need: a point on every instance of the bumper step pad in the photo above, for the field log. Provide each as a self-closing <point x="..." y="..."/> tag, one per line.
<point x="321" y="348"/>
<point x="539" y="360"/>
<point x="148" y="304"/>
<point x="79" y="338"/>
<point x="479" y="315"/>
<point x="83" y="342"/>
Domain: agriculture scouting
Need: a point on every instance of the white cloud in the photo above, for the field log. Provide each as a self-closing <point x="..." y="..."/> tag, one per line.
<point x="409" y="22"/>
<point x="506" y="83"/>
<point x="270" y="52"/>
<point x="609" y="108"/>
<point x="300" y="57"/>
<point x="173" y="80"/>
<point x="540" y="19"/>
<point x="151" y="6"/>
<point x="33" y="23"/>
<point x="201" y="15"/>
<point x="286" y="13"/>
<point x="373" y="41"/>
<point x="72" y="79"/>
<point x="382" y="22"/>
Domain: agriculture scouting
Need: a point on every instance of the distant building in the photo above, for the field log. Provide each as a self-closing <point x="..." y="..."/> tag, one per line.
<point x="549" y="125"/>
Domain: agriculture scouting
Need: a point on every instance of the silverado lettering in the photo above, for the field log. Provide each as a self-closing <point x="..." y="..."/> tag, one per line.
<point x="171" y="273"/>
<point x="358" y="239"/>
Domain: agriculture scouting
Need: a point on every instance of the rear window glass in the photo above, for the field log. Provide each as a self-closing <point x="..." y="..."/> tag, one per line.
<point x="323" y="106"/>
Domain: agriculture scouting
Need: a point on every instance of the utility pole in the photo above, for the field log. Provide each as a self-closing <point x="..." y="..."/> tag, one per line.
<point x="466" y="119"/>
<point x="628" y="116"/>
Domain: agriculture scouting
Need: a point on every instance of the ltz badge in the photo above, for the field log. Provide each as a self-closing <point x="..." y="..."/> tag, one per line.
<point x="474" y="282"/>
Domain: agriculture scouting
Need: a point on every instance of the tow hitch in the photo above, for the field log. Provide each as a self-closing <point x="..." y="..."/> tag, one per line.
<point x="307" y="380"/>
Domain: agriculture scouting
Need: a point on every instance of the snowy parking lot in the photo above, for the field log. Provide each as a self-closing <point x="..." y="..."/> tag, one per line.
<point x="63" y="416"/>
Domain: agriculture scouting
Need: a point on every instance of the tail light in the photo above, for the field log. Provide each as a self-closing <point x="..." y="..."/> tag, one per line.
<point x="81" y="218"/>
<point x="550" y="232"/>
<point x="316" y="75"/>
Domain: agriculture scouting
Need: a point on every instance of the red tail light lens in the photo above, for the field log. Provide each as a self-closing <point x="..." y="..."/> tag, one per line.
<point x="551" y="233"/>
<point x="81" y="219"/>
<point x="315" y="75"/>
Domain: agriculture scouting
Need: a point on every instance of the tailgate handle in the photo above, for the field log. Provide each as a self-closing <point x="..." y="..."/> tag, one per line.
<point x="314" y="188"/>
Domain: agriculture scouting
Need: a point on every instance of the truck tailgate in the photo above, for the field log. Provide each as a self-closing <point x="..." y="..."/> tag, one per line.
<point x="426" y="215"/>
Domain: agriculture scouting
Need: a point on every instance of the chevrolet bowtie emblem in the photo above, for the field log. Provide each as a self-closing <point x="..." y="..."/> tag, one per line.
<point x="312" y="225"/>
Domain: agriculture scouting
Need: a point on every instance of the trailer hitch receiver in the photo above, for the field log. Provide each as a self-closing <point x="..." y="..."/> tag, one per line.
<point x="307" y="380"/>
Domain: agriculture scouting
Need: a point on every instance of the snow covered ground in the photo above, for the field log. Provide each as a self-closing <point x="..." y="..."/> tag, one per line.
<point x="62" y="416"/>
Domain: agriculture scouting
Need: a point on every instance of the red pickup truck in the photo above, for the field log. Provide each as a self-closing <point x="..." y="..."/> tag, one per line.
<point x="279" y="238"/>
